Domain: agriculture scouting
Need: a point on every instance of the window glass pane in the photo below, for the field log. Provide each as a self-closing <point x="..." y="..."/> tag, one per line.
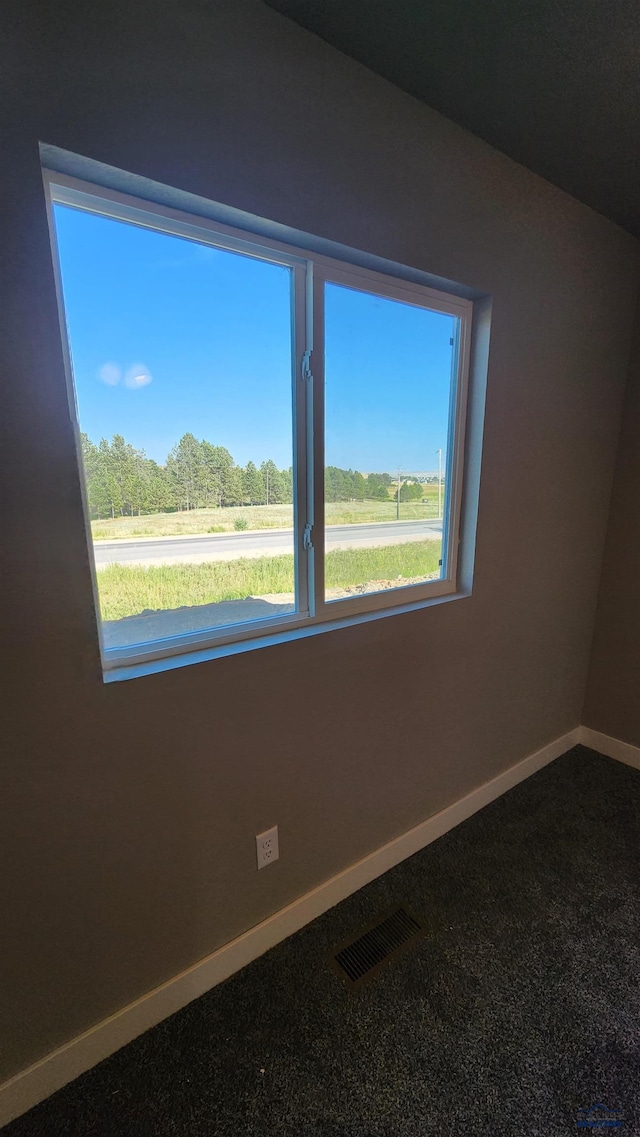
<point x="182" y="366"/>
<point x="388" y="388"/>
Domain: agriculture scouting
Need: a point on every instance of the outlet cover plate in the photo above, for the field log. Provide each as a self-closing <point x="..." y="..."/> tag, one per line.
<point x="267" y="847"/>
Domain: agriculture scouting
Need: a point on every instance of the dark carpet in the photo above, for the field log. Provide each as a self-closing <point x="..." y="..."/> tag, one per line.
<point x="519" y="1009"/>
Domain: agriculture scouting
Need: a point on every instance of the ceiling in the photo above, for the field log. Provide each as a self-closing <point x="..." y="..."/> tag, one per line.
<point x="554" y="84"/>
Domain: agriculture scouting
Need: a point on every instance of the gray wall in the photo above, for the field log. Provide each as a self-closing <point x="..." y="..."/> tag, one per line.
<point x="612" y="702"/>
<point x="129" y="810"/>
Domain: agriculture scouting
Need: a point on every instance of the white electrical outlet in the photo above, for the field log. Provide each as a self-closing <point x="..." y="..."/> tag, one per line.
<point x="267" y="847"/>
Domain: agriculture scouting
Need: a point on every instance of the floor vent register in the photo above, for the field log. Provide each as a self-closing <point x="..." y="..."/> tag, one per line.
<point x="362" y="956"/>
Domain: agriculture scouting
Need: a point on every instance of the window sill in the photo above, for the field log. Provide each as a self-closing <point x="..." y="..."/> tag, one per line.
<point x="135" y="670"/>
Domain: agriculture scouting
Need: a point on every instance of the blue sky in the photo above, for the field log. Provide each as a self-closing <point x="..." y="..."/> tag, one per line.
<point x="168" y="336"/>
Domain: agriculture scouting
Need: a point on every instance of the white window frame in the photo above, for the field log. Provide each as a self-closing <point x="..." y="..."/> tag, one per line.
<point x="310" y="272"/>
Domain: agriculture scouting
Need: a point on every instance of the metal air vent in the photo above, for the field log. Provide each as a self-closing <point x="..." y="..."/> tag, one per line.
<point x="360" y="957"/>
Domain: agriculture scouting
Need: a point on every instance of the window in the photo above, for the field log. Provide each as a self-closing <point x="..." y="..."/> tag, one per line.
<point x="269" y="439"/>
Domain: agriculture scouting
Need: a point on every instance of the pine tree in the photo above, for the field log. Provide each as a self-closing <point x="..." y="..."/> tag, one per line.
<point x="95" y="478"/>
<point x="183" y="468"/>
<point x="253" y="486"/>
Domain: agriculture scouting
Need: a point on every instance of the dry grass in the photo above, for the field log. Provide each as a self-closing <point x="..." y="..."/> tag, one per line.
<point x="200" y="521"/>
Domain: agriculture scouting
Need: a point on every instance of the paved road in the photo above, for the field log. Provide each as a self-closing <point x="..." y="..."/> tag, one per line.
<point x="256" y="543"/>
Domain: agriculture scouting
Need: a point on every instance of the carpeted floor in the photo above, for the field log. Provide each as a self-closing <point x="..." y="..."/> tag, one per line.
<point x="520" y="1008"/>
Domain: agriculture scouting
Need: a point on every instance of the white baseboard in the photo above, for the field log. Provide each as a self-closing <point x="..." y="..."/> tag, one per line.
<point x="55" y="1070"/>
<point x="612" y="747"/>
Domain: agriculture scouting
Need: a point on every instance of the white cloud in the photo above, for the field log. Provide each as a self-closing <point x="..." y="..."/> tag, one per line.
<point x="137" y="376"/>
<point x="110" y="374"/>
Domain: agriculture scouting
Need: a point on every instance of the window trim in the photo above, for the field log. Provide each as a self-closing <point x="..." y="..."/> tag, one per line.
<point x="310" y="272"/>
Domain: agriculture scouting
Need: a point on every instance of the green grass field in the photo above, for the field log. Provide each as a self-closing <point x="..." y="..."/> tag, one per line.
<point x="129" y="590"/>
<point x="199" y="521"/>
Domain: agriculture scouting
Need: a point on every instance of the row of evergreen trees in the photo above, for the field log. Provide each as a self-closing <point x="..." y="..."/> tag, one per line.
<point x="121" y="480"/>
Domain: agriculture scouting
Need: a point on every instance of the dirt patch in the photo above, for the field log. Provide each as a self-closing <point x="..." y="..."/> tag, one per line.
<point x="354" y="589"/>
<point x="379" y="585"/>
<point x="153" y="625"/>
